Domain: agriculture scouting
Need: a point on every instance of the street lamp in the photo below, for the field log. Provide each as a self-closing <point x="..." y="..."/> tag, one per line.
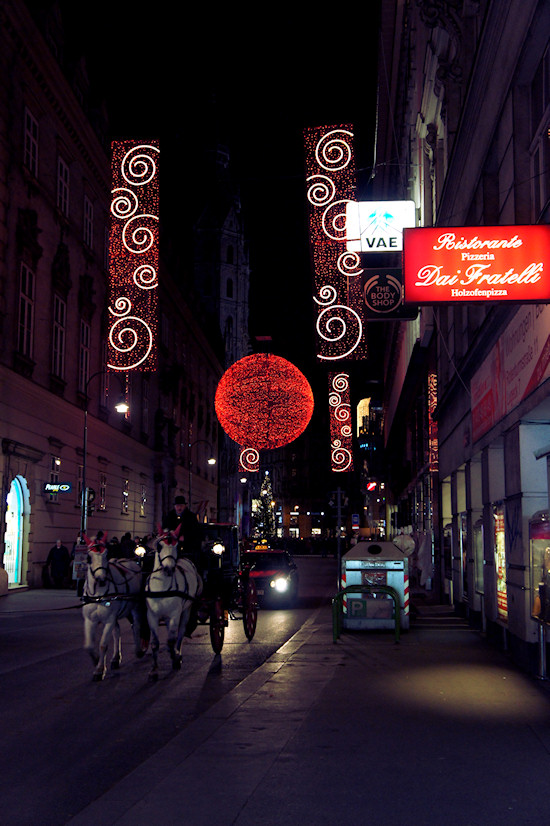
<point x="121" y="407"/>
<point x="210" y="461"/>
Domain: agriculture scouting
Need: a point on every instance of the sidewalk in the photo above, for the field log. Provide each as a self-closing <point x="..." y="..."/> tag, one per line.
<point x="438" y="729"/>
<point x="19" y="600"/>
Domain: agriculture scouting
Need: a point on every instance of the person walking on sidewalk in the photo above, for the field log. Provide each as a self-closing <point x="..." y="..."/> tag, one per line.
<point x="58" y="562"/>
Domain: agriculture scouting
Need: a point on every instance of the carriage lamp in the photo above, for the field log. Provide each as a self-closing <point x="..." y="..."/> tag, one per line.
<point x="122" y="405"/>
<point x="218" y="548"/>
<point x="140" y="551"/>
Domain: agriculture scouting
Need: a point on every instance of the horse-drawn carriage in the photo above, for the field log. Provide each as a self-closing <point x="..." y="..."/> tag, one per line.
<point x="170" y="590"/>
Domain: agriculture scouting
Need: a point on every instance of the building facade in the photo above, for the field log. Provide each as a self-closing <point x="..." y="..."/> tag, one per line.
<point x="464" y="132"/>
<point x="57" y="395"/>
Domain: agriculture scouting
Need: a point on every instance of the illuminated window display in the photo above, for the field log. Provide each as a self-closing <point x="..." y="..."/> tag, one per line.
<point x="500" y="563"/>
<point x="539" y="542"/>
<point x="133" y="256"/>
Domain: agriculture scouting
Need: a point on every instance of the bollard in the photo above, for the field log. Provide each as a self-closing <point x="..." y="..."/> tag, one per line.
<point x="542" y="652"/>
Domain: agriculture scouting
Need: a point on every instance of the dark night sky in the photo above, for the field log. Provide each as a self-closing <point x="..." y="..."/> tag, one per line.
<point x="160" y="68"/>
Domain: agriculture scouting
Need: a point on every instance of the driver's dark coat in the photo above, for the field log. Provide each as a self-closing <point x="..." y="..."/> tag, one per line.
<point x="189" y="538"/>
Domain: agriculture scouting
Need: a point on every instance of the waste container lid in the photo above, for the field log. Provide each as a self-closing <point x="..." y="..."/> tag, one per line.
<point x="377" y="550"/>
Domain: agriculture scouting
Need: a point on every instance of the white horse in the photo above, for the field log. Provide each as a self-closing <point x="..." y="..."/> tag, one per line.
<point x="170" y="591"/>
<point x="111" y="592"/>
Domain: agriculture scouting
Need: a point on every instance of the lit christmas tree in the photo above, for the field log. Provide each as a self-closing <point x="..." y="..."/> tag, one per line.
<point x="264" y="517"/>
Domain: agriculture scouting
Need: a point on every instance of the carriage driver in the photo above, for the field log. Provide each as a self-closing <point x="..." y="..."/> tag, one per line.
<point x="189" y="543"/>
<point x="189" y="539"/>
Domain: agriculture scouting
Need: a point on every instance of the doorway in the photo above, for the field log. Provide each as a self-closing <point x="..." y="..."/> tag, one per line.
<point x="17" y="502"/>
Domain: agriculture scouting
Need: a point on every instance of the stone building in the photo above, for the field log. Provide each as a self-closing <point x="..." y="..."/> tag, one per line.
<point x="54" y="214"/>
<point x="463" y="117"/>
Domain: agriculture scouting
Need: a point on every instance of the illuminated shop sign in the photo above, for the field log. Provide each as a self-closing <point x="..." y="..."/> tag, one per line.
<point x="377" y="226"/>
<point x="518" y="363"/>
<point x="469" y="264"/>
<point x="57" y="487"/>
<point x="383" y="295"/>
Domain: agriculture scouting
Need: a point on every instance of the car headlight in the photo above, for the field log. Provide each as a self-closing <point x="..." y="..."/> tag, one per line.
<point x="280" y="584"/>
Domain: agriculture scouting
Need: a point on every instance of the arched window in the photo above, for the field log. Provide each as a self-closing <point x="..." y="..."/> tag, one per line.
<point x="229" y="256"/>
<point x="229" y="288"/>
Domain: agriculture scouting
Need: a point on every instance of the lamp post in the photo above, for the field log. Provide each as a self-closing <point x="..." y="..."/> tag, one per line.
<point x="210" y="461"/>
<point x="120" y="407"/>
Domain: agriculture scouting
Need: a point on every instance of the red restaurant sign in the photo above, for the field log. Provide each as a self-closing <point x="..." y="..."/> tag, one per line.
<point x="464" y="264"/>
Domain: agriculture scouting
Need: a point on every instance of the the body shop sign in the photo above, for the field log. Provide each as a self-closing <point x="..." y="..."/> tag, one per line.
<point x="469" y="264"/>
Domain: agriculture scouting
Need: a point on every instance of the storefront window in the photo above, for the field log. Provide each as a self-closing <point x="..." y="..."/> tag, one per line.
<point x="463" y="522"/>
<point x="478" y="557"/>
<point x="539" y="542"/>
<point x="500" y="562"/>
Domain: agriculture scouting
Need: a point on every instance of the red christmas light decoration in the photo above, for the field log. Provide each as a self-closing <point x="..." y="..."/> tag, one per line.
<point x="133" y="256"/>
<point x="263" y="402"/>
<point x="330" y="166"/>
<point x="341" y="446"/>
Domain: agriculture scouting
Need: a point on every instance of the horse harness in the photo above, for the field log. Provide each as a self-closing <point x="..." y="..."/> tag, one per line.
<point x="116" y="595"/>
<point x="171" y="592"/>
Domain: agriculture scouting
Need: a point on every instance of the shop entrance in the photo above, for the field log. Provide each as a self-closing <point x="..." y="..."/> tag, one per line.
<point x="17" y="507"/>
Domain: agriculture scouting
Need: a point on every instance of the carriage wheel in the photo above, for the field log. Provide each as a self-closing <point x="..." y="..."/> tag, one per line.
<point x="250" y="609"/>
<point x="217" y="625"/>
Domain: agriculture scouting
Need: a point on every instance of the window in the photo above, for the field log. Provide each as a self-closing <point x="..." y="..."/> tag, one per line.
<point x="102" y="506"/>
<point x="58" y="343"/>
<point x="55" y="465"/>
<point x="62" y="186"/>
<point x="125" y="504"/>
<point x="26" y="311"/>
<point x="229" y="256"/>
<point x="88" y="222"/>
<point x="145" y="406"/>
<point x="30" y="149"/>
<point x="229" y="288"/>
<point x="84" y="356"/>
<point x="540" y="136"/>
<point x="143" y="501"/>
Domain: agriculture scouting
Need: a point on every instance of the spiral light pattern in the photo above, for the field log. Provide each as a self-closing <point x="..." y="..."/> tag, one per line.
<point x="330" y="183"/>
<point x="249" y="460"/>
<point x="133" y="254"/>
<point x="341" y="445"/>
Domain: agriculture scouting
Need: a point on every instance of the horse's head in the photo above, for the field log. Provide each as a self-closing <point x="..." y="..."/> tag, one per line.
<point x="98" y="564"/>
<point x="167" y="549"/>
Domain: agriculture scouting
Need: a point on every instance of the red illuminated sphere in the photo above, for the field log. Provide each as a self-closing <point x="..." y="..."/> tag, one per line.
<point x="263" y="401"/>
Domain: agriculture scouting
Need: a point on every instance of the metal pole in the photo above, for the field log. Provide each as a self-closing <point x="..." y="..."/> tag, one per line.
<point x="84" y="498"/>
<point x="339" y="537"/>
<point x="542" y="652"/>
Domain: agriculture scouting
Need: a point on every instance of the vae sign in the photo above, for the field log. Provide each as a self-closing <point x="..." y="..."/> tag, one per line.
<point x="470" y="264"/>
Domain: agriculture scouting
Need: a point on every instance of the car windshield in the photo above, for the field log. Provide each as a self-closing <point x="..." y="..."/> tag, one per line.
<point x="266" y="562"/>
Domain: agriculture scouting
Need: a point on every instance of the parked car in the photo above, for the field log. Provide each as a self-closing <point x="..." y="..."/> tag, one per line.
<point x="275" y="575"/>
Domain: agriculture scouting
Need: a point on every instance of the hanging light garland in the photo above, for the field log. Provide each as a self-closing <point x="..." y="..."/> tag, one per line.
<point x="133" y="256"/>
<point x="330" y="166"/>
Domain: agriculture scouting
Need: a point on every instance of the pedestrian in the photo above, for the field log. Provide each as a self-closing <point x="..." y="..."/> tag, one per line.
<point x="113" y="548"/>
<point x="58" y="562"/>
<point x="127" y="546"/>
